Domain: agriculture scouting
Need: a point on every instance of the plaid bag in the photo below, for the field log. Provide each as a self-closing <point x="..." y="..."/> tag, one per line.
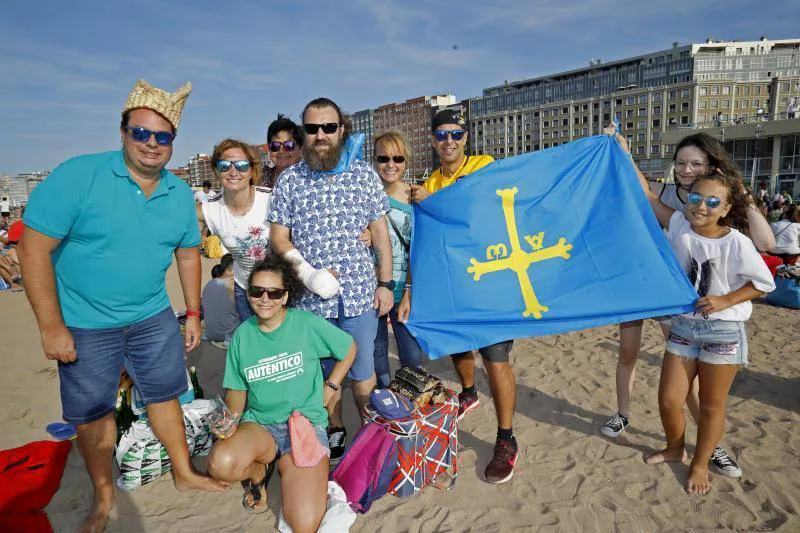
<point x="427" y="446"/>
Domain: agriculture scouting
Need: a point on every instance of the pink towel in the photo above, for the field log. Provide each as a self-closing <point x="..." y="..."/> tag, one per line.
<point x="307" y="450"/>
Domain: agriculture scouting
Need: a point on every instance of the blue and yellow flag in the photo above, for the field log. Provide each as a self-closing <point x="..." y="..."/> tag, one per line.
<point x="547" y="242"/>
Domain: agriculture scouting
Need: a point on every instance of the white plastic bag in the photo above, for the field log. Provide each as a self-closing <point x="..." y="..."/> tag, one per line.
<point x="338" y="516"/>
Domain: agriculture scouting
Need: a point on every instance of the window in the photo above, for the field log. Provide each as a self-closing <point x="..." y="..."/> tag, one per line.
<point x="576" y="108"/>
<point x="673" y="108"/>
<point x="685" y="93"/>
<point x="656" y="122"/>
<point x="546" y="123"/>
<point x="726" y="103"/>
<point x="657" y="97"/>
<point x="628" y="113"/>
<point x="576" y="120"/>
<point x="758" y="89"/>
<point x="684" y="106"/>
<point x="655" y="149"/>
<point x="715" y="89"/>
<point x="631" y="100"/>
<point x="641" y="124"/>
<point x="606" y="117"/>
<point x="703" y="91"/>
<point x="564" y="110"/>
<point x="547" y="145"/>
<point x="641" y="137"/>
<point x="547" y="135"/>
<point x="657" y="110"/>
<point x="655" y="136"/>
<point x="642" y="111"/>
<point x="685" y="119"/>
<point x="564" y="122"/>
<point x="703" y="104"/>
<point x="673" y="94"/>
<point x="576" y="132"/>
<point x="726" y="89"/>
<point x="547" y="113"/>
<point x="629" y="125"/>
<point x="585" y="131"/>
<point x="642" y="98"/>
<point x="668" y="148"/>
<point x="640" y="150"/>
<point x="585" y="119"/>
<point x="619" y="102"/>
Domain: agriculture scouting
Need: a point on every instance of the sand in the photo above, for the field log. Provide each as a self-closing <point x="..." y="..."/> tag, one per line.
<point x="569" y="478"/>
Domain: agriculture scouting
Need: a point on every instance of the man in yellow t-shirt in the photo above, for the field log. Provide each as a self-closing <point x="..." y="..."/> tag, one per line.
<point x="449" y="138"/>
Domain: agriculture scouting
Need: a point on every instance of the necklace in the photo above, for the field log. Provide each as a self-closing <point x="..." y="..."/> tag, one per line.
<point x="250" y="200"/>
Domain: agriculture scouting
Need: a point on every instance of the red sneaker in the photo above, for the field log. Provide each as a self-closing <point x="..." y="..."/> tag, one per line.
<point x="501" y="468"/>
<point x="467" y="402"/>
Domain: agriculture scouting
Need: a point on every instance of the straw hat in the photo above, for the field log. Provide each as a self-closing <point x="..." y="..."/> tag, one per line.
<point x="169" y="105"/>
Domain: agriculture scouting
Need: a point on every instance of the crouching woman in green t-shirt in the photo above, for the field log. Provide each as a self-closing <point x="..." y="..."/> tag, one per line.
<point x="273" y="368"/>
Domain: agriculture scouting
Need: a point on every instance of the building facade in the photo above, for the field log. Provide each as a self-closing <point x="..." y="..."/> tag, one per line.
<point x="413" y="119"/>
<point x="364" y="122"/>
<point x="685" y="87"/>
<point x="200" y="170"/>
<point x="18" y="188"/>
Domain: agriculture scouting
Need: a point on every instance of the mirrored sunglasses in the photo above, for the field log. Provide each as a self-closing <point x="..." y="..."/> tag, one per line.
<point x="241" y="165"/>
<point x="272" y="293"/>
<point x="441" y="135"/>
<point x="712" y="202"/>
<point x="142" y="135"/>
<point x="288" y="146"/>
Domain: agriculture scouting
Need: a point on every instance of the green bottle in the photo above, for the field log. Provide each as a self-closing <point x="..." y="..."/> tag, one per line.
<point x="198" y="390"/>
<point x="123" y="414"/>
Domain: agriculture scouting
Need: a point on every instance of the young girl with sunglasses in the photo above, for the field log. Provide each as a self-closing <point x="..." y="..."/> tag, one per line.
<point x="238" y="214"/>
<point x="272" y="370"/>
<point x="709" y="343"/>
<point x="696" y="155"/>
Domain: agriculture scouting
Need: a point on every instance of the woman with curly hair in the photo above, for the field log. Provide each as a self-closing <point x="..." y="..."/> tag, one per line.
<point x="709" y="344"/>
<point x="272" y="370"/>
<point x="695" y="156"/>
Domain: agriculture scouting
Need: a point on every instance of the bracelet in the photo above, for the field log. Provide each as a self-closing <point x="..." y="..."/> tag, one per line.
<point x="192" y="313"/>
<point x="332" y="385"/>
<point x="408" y="286"/>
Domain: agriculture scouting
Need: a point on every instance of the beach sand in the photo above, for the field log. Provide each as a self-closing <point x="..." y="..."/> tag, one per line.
<point x="568" y="478"/>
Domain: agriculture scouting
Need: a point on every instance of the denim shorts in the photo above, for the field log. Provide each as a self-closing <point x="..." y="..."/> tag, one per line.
<point x="151" y="351"/>
<point x="242" y="302"/>
<point x="363" y="329"/>
<point x="717" y="342"/>
<point x="494" y="353"/>
<point x="283" y="440"/>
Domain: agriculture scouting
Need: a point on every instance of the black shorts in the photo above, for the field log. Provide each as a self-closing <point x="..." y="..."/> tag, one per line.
<point x="494" y="353"/>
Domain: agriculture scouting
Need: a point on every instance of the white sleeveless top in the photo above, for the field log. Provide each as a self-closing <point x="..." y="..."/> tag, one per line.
<point x="669" y="197"/>
<point x="246" y="237"/>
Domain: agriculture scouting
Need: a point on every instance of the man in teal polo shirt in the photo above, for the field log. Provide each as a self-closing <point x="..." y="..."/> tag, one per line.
<point x="100" y="233"/>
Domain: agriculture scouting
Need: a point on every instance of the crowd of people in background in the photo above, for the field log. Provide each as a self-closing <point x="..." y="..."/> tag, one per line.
<point x="318" y="269"/>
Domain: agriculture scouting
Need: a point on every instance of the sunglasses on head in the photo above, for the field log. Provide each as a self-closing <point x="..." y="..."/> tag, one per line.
<point x="441" y="135"/>
<point x="272" y="293"/>
<point x="327" y="128"/>
<point x="142" y="135"/>
<point x="242" y="165"/>
<point x="712" y="202"/>
<point x="385" y="159"/>
<point x="288" y="146"/>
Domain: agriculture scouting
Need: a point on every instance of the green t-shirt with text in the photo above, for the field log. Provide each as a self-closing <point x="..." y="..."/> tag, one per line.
<point x="280" y="370"/>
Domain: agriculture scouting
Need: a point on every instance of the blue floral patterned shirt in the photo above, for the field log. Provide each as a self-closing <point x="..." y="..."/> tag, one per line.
<point x="326" y="214"/>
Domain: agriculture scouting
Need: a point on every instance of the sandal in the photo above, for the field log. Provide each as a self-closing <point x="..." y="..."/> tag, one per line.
<point x="254" y="491"/>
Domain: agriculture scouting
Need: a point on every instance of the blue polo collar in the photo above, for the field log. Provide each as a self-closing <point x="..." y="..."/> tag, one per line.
<point x="166" y="181"/>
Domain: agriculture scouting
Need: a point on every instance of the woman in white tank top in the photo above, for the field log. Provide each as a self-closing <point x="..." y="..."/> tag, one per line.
<point x="238" y="214"/>
<point x="696" y="155"/>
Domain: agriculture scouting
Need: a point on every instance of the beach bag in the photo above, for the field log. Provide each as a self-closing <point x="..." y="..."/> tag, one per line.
<point x="30" y="475"/>
<point x="142" y="458"/>
<point x="338" y="515"/>
<point x="366" y="470"/>
<point x="787" y="289"/>
<point x="427" y="446"/>
<point x="26" y="523"/>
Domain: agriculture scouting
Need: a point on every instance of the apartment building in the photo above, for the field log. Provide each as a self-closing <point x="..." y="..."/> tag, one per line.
<point x="413" y="119"/>
<point x="363" y="122"/>
<point x="684" y="87"/>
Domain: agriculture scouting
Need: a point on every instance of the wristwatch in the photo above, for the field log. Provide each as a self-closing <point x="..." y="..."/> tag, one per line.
<point x="387" y="284"/>
<point x="332" y="385"/>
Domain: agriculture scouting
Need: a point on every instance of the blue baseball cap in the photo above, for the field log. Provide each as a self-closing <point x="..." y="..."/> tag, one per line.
<point x="389" y="405"/>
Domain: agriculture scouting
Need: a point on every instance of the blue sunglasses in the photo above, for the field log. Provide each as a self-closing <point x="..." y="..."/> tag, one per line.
<point x="142" y="135"/>
<point x="241" y="165"/>
<point x="441" y="135"/>
<point x="712" y="202"/>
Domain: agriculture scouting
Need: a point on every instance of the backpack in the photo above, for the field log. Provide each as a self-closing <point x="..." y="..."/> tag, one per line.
<point x="365" y="471"/>
<point x="30" y="475"/>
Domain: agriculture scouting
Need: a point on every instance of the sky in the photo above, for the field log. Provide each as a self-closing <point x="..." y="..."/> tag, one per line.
<point x="66" y="67"/>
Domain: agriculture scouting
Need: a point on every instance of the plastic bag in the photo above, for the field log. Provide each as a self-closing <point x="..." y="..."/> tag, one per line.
<point x="142" y="458"/>
<point x="338" y="516"/>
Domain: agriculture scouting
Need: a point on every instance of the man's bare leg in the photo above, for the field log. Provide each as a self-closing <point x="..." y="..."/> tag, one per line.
<point x="96" y="443"/>
<point x="166" y="419"/>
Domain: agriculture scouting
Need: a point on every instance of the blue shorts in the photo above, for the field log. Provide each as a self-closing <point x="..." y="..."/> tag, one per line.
<point x="151" y="351"/>
<point x="717" y="342"/>
<point x="242" y="302"/>
<point x="363" y="329"/>
<point x="283" y="439"/>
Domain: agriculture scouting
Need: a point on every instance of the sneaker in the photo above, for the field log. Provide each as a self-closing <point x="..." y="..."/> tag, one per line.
<point x="614" y="426"/>
<point x="336" y="440"/>
<point x="467" y="401"/>
<point x="501" y="468"/>
<point x="722" y="464"/>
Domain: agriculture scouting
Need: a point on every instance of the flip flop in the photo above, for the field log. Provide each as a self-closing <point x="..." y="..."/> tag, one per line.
<point x="61" y="430"/>
<point x="254" y="491"/>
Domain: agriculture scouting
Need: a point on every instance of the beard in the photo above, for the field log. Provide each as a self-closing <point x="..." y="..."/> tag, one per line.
<point x="325" y="161"/>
